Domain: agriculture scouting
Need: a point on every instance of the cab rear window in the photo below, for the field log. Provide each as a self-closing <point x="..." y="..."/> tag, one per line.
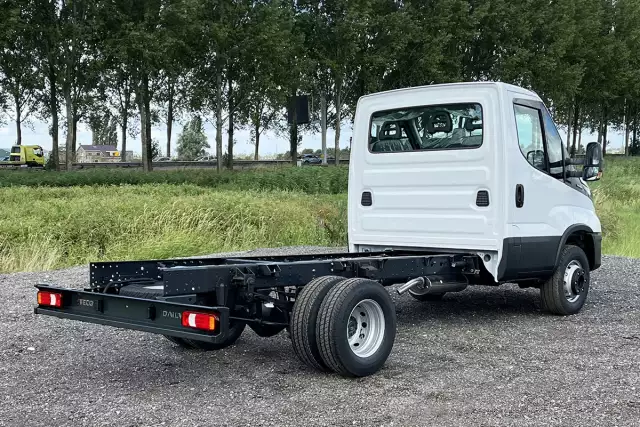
<point x="433" y="127"/>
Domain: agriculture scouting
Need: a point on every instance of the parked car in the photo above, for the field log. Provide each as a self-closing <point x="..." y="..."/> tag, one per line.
<point x="311" y="159"/>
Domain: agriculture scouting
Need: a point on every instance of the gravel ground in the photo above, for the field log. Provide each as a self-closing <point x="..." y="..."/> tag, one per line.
<point x="481" y="357"/>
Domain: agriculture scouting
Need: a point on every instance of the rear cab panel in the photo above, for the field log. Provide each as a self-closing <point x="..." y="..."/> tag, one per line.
<point x="439" y="194"/>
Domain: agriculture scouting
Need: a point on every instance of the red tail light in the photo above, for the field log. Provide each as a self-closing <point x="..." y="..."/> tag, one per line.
<point x="50" y="299"/>
<point x="204" y="321"/>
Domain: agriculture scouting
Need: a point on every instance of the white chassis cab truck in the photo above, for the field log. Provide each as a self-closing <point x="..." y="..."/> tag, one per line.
<point x="449" y="186"/>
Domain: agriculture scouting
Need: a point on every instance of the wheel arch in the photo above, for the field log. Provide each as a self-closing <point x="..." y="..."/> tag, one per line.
<point x="580" y="235"/>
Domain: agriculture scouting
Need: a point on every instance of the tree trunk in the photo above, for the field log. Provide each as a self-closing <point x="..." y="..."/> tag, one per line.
<point x="123" y="155"/>
<point x="69" y="118"/>
<point x="169" y="120"/>
<point x="569" y="123"/>
<point x="143" y="128"/>
<point x="145" y="123"/>
<point x="293" y="130"/>
<point x="576" y="118"/>
<point x="338" y="118"/>
<point x="18" y="120"/>
<point x="219" y="120"/>
<point x="627" y="124"/>
<point x="230" y="142"/>
<point x="323" y="125"/>
<point x="76" y="119"/>
<point x="605" y="125"/>
<point x="579" y="136"/>
<point x="124" y="117"/>
<point x="635" y="128"/>
<point x="257" y="130"/>
<point x="600" y="129"/>
<point x="53" y="106"/>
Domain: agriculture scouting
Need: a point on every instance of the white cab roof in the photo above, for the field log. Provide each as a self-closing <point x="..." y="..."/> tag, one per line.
<point x="470" y="85"/>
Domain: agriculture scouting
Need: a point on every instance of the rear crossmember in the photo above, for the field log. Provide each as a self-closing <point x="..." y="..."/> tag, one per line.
<point x="260" y="292"/>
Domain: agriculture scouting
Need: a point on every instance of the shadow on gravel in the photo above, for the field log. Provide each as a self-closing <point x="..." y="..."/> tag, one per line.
<point x="487" y="304"/>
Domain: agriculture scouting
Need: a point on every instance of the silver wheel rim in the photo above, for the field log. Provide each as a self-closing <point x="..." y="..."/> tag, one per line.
<point x="569" y="292"/>
<point x="365" y="328"/>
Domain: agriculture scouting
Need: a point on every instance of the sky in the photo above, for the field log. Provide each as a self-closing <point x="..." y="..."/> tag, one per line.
<point x="270" y="144"/>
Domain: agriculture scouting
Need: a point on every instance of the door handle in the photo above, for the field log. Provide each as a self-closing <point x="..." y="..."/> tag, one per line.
<point x="519" y="196"/>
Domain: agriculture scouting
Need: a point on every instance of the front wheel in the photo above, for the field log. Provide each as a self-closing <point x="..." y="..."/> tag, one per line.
<point x="566" y="291"/>
<point x="356" y="327"/>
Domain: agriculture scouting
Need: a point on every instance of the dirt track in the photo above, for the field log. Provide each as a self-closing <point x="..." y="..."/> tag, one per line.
<point x="481" y="357"/>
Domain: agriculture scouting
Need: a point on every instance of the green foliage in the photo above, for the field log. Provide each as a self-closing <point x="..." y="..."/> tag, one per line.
<point x="192" y="142"/>
<point x="308" y="180"/>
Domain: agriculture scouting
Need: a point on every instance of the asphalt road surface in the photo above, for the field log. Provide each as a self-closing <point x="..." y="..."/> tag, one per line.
<point x="483" y="357"/>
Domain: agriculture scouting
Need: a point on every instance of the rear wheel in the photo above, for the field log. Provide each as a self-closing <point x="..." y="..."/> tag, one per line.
<point x="304" y="318"/>
<point x="566" y="291"/>
<point x="153" y="292"/>
<point x="356" y="327"/>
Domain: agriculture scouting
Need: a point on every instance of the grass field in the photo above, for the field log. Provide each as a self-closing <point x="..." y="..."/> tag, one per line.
<point x="617" y="198"/>
<point x="50" y="220"/>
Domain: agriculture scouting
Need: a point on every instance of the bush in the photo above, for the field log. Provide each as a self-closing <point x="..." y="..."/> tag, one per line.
<point x="310" y="180"/>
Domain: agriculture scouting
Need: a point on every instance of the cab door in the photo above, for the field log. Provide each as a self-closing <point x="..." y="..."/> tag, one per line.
<point x="541" y="202"/>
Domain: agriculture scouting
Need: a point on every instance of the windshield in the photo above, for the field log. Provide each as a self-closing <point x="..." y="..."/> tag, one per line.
<point x="427" y="128"/>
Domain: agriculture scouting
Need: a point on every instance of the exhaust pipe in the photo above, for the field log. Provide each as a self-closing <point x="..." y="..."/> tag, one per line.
<point x="421" y="282"/>
<point x="431" y="285"/>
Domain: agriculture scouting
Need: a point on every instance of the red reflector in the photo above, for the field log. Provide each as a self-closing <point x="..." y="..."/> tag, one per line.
<point x="204" y="321"/>
<point x="50" y="299"/>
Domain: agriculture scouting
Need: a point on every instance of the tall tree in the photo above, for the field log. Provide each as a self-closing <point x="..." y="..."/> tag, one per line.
<point x="192" y="141"/>
<point x="18" y="66"/>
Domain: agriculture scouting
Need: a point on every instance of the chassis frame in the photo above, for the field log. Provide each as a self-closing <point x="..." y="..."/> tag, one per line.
<point x="258" y="290"/>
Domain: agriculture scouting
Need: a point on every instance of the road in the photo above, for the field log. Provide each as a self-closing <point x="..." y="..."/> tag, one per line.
<point x="483" y="357"/>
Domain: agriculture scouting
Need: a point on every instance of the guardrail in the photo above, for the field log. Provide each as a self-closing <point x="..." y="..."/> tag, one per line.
<point x="237" y="164"/>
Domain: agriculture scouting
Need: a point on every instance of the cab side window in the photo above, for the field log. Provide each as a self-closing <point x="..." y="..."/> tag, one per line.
<point x="530" y="136"/>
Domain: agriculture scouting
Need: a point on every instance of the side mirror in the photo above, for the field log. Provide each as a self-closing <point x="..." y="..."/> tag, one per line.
<point x="536" y="158"/>
<point x="593" y="162"/>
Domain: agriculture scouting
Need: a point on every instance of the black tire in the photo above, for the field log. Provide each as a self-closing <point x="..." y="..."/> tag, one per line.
<point x="334" y="317"/>
<point x="427" y="297"/>
<point x="304" y="317"/>
<point x="150" y="292"/>
<point x="552" y="291"/>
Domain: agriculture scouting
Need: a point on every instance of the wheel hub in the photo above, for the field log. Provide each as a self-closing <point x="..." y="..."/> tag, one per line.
<point x="365" y="328"/>
<point x="574" y="281"/>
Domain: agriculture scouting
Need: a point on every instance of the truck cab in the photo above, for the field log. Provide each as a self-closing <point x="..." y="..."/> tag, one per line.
<point x="27" y="155"/>
<point x="471" y="167"/>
